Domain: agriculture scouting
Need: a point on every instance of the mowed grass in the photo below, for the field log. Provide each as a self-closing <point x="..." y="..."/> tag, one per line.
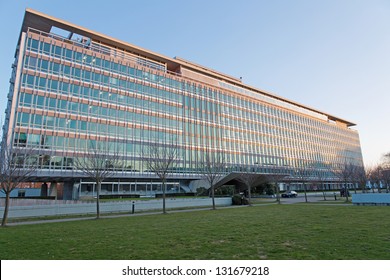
<point x="304" y="231"/>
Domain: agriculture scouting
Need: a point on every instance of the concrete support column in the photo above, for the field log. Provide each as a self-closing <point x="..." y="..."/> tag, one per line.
<point x="68" y="191"/>
<point x="44" y="190"/>
<point x="53" y="190"/>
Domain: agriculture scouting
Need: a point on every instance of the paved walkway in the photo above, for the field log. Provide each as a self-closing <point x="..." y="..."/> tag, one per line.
<point x="146" y="213"/>
<point x="300" y="199"/>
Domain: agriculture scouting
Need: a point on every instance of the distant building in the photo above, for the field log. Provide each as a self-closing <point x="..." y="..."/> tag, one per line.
<point x="72" y="88"/>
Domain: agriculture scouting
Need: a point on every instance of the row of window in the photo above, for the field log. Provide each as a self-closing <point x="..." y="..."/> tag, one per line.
<point x="96" y="61"/>
<point x="86" y="110"/>
<point x="43" y="122"/>
<point x="189" y="160"/>
<point x="248" y="154"/>
<point x="77" y="74"/>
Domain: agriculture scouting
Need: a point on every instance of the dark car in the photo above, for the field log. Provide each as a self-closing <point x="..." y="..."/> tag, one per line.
<point x="290" y="194"/>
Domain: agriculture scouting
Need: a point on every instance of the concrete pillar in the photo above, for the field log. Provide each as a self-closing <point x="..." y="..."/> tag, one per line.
<point x="44" y="189"/>
<point x="68" y="191"/>
<point x="53" y="190"/>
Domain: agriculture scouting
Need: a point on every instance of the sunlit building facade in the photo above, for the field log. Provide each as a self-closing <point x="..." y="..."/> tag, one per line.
<point x="72" y="89"/>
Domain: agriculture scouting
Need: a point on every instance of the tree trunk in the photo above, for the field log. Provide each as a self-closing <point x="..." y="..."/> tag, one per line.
<point x="163" y="189"/>
<point x="249" y="196"/>
<point x="304" y="188"/>
<point x="212" y="196"/>
<point x="6" y="208"/>
<point x="99" y="184"/>
<point x="323" y="190"/>
<point x="277" y="193"/>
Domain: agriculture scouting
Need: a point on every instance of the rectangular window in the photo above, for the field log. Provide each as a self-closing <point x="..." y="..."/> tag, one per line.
<point x="25" y="118"/>
<point x="32" y="62"/>
<point x="42" y="83"/>
<point x="66" y="70"/>
<point x="33" y="139"/>
<point x="46" y="48"/>
<point x="49" y="122"/>
<point x="57" y="51"/>
<point x="34" y="45"/>
<point x="68" y="54"/>
<point x="38" y="120"/>
<point x="44" y="65"/>
<point x="54" y="85"/>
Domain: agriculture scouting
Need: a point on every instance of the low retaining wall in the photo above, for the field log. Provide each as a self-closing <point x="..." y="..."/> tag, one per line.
<point x="110" y="207"/>
<point x="371" y="199"/>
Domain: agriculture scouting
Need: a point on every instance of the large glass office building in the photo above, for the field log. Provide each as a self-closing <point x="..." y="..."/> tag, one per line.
<point x="73" y="89"/>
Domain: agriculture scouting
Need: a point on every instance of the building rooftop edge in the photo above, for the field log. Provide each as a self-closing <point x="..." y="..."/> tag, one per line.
<point x="44" y="22"/>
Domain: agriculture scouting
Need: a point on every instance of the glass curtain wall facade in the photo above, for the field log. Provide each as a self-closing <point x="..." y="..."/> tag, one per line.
<point x="71" y="93"/>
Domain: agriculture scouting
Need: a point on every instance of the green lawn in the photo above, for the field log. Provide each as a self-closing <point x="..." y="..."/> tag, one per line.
<point x="304" y="231"/>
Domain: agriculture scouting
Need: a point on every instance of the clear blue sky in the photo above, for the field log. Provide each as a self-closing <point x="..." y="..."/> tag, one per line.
<point x="332" y="55"/>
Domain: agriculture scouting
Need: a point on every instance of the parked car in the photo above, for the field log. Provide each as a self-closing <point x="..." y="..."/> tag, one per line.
<point x="290" y="194"/>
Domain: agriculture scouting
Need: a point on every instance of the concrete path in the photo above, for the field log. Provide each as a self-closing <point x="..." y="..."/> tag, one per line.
<point x="312" y="199"/>
<point x="32" y="222"/>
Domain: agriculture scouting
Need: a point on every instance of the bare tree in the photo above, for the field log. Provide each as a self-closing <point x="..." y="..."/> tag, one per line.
<point x="98" y="164"/>
<point x="320" y="179"/>
<point x="320" y="175"/>
<point x="212" y="169"/>
<point x="16" y="166"/>
<point x="386" y="171"/>
<point x="360" y="177"/>
<point x="386" y="178"/>
<point x="160" y="159"/>
<point x="303" y="173"/>
<point x="344" y="173"/>
<point x="375" y="176"/>
<point x="276" y="180"/>
<point x="250" y="178"/>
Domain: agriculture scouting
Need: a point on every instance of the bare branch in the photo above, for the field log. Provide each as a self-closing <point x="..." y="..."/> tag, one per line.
<point x="16" y="166"/>
<point x="160" y="159"/>
<point x="98" y="164"/>
<point x="212" y="168"/>
<point x="250" y="178"/>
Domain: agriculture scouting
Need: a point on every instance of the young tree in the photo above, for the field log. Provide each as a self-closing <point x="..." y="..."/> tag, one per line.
<point x="212" y="169"/>
<point x="320" y="174"/>
<point x="276" y="180"/>
<point x="386" y="171"/>
<point x="375" y="176"/>
<point x="250" y="178"/>
<point x="360" y="177"/>
<point x="160" y="159"/>
<point x="16" y="166"/>
<point x="344" y="173"/>
<point x="386" y="178"/>
<point x="98" y="164"/>
<point x="303" y="172"/>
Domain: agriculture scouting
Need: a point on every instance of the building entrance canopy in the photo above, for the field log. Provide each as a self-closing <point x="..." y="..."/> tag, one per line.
<point x="235" y="177"/>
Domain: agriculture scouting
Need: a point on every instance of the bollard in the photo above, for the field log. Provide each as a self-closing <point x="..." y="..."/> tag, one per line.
<point x="132" y="208"/>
